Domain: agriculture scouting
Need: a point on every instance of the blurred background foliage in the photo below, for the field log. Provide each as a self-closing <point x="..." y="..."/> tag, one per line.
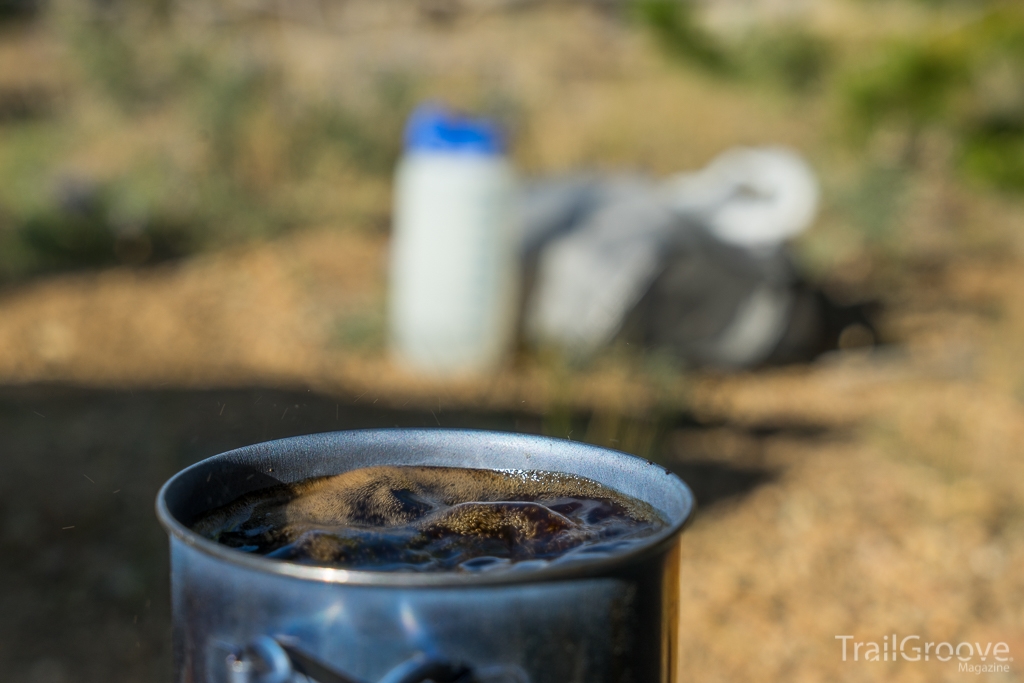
<point x="967" y="82"/>
<point x="208" y="141"/>
<point x="226" y="151"/>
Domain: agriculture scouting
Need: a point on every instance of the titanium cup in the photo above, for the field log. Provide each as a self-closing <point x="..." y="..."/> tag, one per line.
<point x="241" y="618"/>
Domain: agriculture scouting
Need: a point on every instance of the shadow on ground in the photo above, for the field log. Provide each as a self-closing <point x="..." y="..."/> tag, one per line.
<point x="83" y="561"/>
<point x="722" y="461"/>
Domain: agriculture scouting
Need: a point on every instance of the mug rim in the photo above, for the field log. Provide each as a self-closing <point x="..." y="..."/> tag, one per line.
<point x="259" y="453"/>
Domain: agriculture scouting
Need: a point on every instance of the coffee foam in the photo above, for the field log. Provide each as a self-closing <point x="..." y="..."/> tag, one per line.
<point x="431" y="518"/>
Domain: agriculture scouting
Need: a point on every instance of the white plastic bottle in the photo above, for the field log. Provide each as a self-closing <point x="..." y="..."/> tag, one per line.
<point x="454" y="270"/>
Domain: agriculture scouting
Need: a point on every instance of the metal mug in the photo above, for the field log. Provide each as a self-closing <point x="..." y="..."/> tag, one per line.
<point x="242" y="618"/>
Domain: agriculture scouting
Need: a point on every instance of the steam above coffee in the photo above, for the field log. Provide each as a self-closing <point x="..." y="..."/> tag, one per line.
<point x="433" y="519"/>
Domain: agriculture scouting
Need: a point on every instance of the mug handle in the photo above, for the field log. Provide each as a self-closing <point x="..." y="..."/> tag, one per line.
<point x="274" y="660"/>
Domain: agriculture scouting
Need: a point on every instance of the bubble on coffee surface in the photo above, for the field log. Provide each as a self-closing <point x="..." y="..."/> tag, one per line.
<point x="403" y="518"/>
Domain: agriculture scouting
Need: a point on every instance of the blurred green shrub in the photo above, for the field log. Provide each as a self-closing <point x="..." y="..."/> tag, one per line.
<point x="83" y="228"/>
<point x="991" y="120"/>
<point x="968" y="83"/>
<point x="789" y="55"/>
<point x="911" y="86"/>
<point x="673" y="24"/>
<point x="994" y="153"/>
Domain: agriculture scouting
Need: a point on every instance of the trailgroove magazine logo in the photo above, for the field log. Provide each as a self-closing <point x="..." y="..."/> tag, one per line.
<point x="973" y="658"/>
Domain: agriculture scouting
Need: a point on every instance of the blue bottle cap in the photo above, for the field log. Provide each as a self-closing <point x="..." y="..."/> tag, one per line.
<point x="433" y="128"/>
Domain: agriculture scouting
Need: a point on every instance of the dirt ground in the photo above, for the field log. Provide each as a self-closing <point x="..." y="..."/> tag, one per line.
<point x="869" y="493"/>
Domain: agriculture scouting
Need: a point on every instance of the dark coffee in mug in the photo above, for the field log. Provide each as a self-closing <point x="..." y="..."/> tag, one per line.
<point x="403" y="518"/>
